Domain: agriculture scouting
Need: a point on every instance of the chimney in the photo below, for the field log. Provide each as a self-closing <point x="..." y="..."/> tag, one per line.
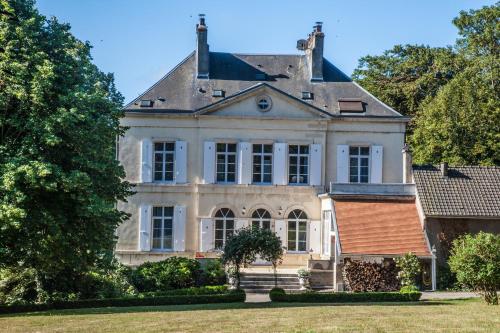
<point x="407" y="165"/>
<point x="314" y="52"/>
<point x="444" y="169"/>
<point x="202" y="53"/>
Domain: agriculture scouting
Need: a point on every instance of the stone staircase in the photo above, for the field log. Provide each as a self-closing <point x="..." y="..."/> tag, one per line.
<point x="263" y="282"/>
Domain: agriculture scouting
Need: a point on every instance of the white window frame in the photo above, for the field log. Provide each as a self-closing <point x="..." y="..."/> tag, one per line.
<point x="296" y="220"/>
<point x="299" y="155"/>
<point x="261" y="218"/>
<point x="164" y="163"/>
<point x="163" y="218"/>
<point x="226" y="155"/>
<point x="224" y="229"/>
<point x="358" y="166"/>
<point x="262" y="154"/>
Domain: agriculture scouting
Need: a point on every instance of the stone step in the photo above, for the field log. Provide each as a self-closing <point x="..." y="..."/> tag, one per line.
<point x="268" y="284"/>
<point x="267" y="275"/>
<point x="268" y="278"/>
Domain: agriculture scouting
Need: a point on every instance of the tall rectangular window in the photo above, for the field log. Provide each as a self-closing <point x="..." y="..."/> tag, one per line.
<point x="359" y="161"/>
<point x="162" y="228"/>
<point x="262" y="163"/>
<point x="164" y="161"/>
<point x="298" y="164"/>
<point x="226" y="162"/>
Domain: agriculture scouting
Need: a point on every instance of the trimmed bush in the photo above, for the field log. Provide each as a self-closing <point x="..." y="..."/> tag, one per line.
<point x="228" y="297"/>
<point x="207" y="290"/>
<point x="343" y="297"/>
<point x="276" y="293"/>
<point x="171" y="273"/>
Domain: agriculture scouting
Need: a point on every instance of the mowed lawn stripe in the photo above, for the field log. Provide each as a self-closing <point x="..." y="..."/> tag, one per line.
<point x="430" y="316"/>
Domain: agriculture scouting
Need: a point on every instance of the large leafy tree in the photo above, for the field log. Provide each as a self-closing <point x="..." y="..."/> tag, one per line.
<point x="452" y="93"/>
<point x="59" y="179"/>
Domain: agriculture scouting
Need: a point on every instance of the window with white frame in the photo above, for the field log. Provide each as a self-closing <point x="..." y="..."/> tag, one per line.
<point x="298" y="164"/>
<point x="261" y="218"/>
<point x="262" y="163"/>
<point x="359" y="161"/>
<point x="224" y="226"/>
<point x="162" y="228"/>
<point x="164" y="156"/>
<point x="226" y="162"/>
<point x="297" y="231"/>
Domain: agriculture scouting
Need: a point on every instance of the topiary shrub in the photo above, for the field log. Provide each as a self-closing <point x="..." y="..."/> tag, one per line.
<point x="171" y="273"/>
<point x="276" y="294"/>
<point x="476" y="262"/>
<point x="213" y="273"/>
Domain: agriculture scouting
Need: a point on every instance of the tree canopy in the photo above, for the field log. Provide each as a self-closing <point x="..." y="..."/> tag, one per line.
<point x="451" y="93"/>
<point x="59" y="178"/>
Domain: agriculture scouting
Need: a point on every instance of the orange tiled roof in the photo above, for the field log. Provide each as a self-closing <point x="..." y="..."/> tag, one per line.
<point x="380" y="227"/>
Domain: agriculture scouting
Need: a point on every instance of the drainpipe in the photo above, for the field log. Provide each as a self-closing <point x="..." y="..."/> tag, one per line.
<point x="433" y="268"/>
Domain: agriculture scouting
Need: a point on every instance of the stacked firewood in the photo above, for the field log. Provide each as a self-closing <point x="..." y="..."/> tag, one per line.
<point x="369" y="276"/>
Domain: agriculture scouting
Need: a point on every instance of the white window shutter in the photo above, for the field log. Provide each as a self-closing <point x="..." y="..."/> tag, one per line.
<point x="206" y="235"/>
<point x="244" y="163"/>
<point x="327" y="238"/>
<point x="180" y="162"/>
<point x="146" y="161"/>
<point x="144" y="228"/>
<point x="279" y="164"/>
<point x="342" y="163"/>
<point x="377" y="158"/>
<point x="315" y="236"/>
<point x="315" y="169"/>
<point x="209" y="162"/>
<point x="240" y="224"/>
<point x="280" y="230"/>
<point x="179" y="232"/>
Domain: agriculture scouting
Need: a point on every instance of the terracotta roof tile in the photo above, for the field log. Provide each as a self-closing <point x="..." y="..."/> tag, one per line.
<point x="380" y="227"/>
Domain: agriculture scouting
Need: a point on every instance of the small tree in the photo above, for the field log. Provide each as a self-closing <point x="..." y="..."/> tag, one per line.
<point x="409" y="267"/>
<point x="242" y="249"/>
<point x="476" y="262"/>
<point x="269" y="248"/>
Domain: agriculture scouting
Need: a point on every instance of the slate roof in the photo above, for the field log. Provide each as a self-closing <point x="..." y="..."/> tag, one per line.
<point x="379" y="227"/>
<point x="184" y="92"/>
<point x="467" y="191"/>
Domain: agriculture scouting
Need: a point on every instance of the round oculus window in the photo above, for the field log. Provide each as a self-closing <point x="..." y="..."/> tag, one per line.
<point x="264" y="103"/>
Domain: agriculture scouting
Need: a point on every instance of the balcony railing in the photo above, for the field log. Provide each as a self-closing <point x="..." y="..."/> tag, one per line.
<point x="374" y="189"/>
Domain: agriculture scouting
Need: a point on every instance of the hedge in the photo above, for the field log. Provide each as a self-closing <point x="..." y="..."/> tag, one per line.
<point x="279" y="295"/>
<point x="206" y="290"/>
<point x="228" y="297"/>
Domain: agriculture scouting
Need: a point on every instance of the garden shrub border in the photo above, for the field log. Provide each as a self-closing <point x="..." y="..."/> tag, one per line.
<point x="279" y="295"/>
<point x="228" y="297"/>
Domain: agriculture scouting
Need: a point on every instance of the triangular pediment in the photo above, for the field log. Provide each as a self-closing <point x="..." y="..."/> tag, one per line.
<point x="263" y="101"/>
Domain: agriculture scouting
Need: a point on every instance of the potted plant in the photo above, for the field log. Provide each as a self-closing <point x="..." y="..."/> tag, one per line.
<point x="232" y="277"/>
<point x="304" y="276"/>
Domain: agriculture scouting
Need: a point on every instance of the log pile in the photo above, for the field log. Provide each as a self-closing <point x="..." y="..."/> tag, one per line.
<point x="367" y="276"/>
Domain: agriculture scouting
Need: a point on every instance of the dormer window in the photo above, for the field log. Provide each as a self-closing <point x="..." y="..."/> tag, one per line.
<point x="307" y="95"/>
<point x="351" y="105"/>
<point x="146" y="103"/>
<point x="218" y="93"/>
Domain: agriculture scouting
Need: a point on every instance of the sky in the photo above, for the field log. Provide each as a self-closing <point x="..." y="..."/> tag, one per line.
<point x="142" y="40"/>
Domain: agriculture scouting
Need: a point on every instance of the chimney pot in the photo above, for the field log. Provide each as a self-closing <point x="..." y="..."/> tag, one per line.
<point x="444" y="169"/>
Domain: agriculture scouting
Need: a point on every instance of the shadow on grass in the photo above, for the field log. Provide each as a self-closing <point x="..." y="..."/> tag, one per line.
<point x="219" y="306"/>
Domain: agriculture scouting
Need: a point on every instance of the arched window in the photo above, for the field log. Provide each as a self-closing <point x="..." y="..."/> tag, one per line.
<point x="297" y="230"/>
<point x="224" y="226"/>
<point x="261" y="219"/>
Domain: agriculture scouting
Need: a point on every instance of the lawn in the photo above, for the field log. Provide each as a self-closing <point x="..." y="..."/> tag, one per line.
<point x="431" y="316"/>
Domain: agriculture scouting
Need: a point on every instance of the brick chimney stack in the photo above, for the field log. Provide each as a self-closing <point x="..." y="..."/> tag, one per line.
<point x="202" y="52"/>
<point x="444" y="169"/>
<point x="314" y="52"/>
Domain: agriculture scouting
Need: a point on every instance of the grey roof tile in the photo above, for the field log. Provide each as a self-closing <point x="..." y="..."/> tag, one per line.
<point x="233" y="73"/>
<point x="467" y="191"/>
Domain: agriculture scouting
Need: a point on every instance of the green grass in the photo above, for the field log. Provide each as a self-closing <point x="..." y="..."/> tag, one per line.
<point x="431" y="316"/>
